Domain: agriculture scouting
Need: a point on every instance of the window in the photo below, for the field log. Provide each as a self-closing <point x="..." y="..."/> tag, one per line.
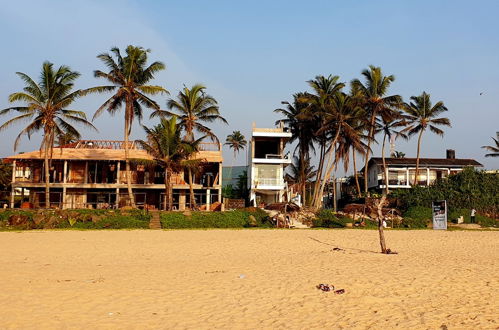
<point x="268" y="175"/>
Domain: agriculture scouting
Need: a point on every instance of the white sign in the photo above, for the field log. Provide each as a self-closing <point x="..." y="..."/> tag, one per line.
<point x="439" y="209"/>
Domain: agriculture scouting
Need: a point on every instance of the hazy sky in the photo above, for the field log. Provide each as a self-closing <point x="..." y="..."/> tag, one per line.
<point x="252" y="55"/>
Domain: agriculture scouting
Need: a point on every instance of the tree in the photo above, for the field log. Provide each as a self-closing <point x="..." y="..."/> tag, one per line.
<point x="165" y="144"/>
<point x="302" y="128"/>
<point x="236" y="141"/>
<point x="193" y="107"/>
<point x="319" y="105"/>
<point x="398" y="154"/>
<point x="375" y="102"/>
<point x="5" y="175"/>
<point x="47" y="108"/>
<point x="389" y="126"/>
<point x="301" y="176"/>
<point x="493" y="149"/>
<point x="128" y="79"/>
<point x="421" y="114"/>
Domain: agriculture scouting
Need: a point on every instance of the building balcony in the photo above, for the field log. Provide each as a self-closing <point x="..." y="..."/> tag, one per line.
<point x="273" y="159"/>
<point x="268" y="183"/>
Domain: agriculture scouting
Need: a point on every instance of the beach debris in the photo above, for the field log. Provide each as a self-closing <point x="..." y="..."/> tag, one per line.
<point x="242" y="276"/>
<point x="337" y="249"/>
<point x="340" y="291"/>
<point x="325" y="287"/>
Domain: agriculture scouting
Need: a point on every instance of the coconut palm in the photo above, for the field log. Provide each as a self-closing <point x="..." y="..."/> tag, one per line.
<point x="375" y="102"/>
<point x="390" y="129"/>
<point x="300" y="176"/>
<point x="165" y="144"/>
<point x="128" y="79"/>
<point x="319" y="104"/>
<point x="236" y="141"/>
<point x="5" y="175"/>
<point x="302" y="128"/>
<point x="494" y="149"/>
<point x="47" y="108"/>
<point x="420" y="115"/>
<point x="193" y="108"/>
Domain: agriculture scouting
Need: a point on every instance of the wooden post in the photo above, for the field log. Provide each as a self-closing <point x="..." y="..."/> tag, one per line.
<point x="85" y="175"/>
<point x="12" y="189"/>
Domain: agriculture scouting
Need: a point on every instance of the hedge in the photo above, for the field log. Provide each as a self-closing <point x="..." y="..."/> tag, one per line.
<point x="227" y="219"/>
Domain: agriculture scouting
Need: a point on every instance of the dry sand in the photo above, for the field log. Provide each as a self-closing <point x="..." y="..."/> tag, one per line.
<point x="191" y="279"/>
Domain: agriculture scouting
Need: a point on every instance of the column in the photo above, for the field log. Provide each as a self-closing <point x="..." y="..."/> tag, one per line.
<point x="12" y="189"/>
<point x="85" y="180"/>
<point x="428" y="176"/>
<point x="181" y="200"/>
<point x="117" y="198"/>
<point x="64" y="180"/>
<point x="220" y="195"/>
<point x="118" y="172"/>
<point x="407" y="177"/>
<point x="208" y="199"/>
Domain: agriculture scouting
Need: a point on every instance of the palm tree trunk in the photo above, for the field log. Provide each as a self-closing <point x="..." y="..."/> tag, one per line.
<point x="127" y="161"/>
<point x="191" y="190"/>
<point x="47" y="172"/>
<point x="318" y="175"/>
<point x="385" y="172"/>
<point x="417" y="158"/>
<point x="356" y="175"/>
<point x="370" y="138"/>
<point x="382" y="241"/>
<point x="303" y="176"/>
<point x="166" y="202"/>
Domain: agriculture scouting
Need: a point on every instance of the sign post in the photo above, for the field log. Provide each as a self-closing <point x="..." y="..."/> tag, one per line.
<point x="439" y="209"/>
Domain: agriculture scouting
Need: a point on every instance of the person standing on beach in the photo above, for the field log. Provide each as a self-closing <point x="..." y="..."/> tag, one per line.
<point x="473" y="213"/>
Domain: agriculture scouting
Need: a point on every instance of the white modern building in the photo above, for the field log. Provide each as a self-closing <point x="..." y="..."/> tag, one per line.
<point x="401" y="171"/>
<point x="267" y="161"/>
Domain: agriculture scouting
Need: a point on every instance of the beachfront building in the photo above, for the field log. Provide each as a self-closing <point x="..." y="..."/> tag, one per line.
<point x="401" y="171"/>
<point x="267" y="161"/>
<point x="91" y="174"/>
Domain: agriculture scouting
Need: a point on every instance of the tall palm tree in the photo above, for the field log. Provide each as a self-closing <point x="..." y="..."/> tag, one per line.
<point x="128" y="79"/>
<point x="375" y="102"/>
<point x="319" y="104"/>
<point x="494" y="149"/>
<point x="301" y="176"/>
<point x="193" y="107"/>
<point x="47" y="108"/>
<point x="302" y="128"/>
<point x="165" y="144"/>
<point x="420" y="115"/>
<point x="389" y="126"/>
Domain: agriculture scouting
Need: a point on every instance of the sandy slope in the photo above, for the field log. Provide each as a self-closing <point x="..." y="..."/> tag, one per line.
<point x="191" y="279"/>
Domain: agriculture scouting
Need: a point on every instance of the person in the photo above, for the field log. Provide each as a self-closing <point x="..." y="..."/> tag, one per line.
<point x="473" y="213"/>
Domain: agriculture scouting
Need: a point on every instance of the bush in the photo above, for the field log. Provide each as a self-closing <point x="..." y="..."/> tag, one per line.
<point x="328" y="219"/>
<point x="227" y="219"/>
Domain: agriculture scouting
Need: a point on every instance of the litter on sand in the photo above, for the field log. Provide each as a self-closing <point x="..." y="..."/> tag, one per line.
<point x="327" y="288"/>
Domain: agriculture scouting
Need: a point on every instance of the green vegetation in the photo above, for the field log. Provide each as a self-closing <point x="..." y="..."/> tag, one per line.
<point x="420" y="217"/>
<point x="328" y="219"/>
<point x="228" y="219"/>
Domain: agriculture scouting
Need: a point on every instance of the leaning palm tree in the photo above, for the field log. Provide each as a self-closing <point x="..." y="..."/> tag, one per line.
<point x="165" y="144"/>
<point x="375" y="102"/>
<point x="390" y="128"/>
<point x="47" y="108"/>
<point x="128" y="79"/>
<point x="193" y="107"/>
<point x="420" y="115"/>
<point x="302" y="128"/>
<point x="319" y="105"/>
<point x="494" y="149"/>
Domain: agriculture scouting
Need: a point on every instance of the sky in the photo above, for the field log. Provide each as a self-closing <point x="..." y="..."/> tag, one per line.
<point x="251" y="55"/>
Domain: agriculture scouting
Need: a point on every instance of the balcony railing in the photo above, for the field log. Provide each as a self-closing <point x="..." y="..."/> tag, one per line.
<point x="269" y="182"/>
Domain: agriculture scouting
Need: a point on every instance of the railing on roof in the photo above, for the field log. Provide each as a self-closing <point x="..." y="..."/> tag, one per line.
<point x="117" y="145"/>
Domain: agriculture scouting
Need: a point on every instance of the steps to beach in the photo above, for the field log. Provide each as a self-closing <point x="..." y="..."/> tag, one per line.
<point x="155" y="223"/>
<point x="298" y="224"/>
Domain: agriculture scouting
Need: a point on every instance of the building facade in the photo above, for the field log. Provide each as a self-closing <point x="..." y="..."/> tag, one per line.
<point x="267" y="163"/>
<point x="401" y="171"/>
<point x="91" y="174"/>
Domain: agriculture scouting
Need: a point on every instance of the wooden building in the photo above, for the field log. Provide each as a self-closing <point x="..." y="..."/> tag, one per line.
<point x="91" y="174"/>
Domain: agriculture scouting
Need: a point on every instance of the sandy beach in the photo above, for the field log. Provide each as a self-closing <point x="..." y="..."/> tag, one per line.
<point x="248" y="279"/>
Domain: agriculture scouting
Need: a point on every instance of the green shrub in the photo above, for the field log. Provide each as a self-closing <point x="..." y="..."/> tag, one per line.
<point x="227" y="219"/>
<point x="328" y="219"/>
<point x="417" y="217"/>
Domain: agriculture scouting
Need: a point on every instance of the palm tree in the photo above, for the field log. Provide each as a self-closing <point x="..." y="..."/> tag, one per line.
<point x="319" y="104"/>
<point x="5" y="175"/>
<point x="302" y="128"/>
<point x="421" y="114"/>
<point x="193" y="107"/>
<point x="301" y="176"/>
<point x="389" y="126"/>
<point x="165" y="144"/>
<point x="236" y="141"/>
<point x="128" y="79"/>
<point x="493" y="149"/>
<point x="375" y="103"/>
<point x="47" y="108"/>
<point x="398" y="154"/>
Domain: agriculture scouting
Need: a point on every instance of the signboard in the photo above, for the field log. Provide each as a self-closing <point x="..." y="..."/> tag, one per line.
<point x="439" y="209"/>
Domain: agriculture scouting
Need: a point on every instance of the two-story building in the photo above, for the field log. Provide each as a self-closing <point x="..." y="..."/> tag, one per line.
<point x="91" y="174"/>
<point x="267" y="161"/>
<point x="401" y="171"/>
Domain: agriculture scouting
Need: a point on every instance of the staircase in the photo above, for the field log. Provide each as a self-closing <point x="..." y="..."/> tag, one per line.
<point x="298" y="224"/>
<point x="155" y="223"/>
